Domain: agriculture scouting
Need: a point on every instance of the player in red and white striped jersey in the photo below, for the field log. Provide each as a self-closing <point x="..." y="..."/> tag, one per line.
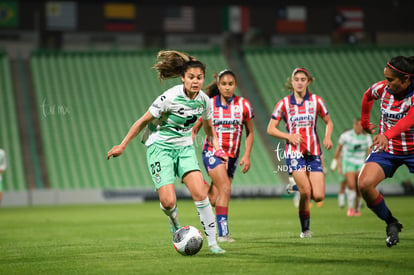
<point x="394" y="145"/>
<point x="231" y="113"/>
<point x="300" y="111"/>
<point x="229" y="118"/>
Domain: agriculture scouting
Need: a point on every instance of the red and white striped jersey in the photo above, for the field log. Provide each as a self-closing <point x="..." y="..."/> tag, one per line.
<point x="228" y="122"/>
<point x="397" y="121"/>
<point x="302" y="118"/>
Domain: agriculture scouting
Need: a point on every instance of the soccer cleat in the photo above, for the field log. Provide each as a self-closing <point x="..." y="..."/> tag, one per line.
<point x="215" y="249"/>
<point x="357" y="213"/>
<point x="290" y="188"/>
<point x="306" y="234"/>
<point x="225" y="239"/>
<point x="350" y="212"/>
<point x="392" y="233"/>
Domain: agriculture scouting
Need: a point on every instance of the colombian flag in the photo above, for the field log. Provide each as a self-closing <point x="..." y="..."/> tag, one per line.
<point x="120" y="17"/>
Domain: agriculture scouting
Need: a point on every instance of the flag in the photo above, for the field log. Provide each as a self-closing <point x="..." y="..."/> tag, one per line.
<point x="236" y="19"/>
<point x="291" y="19"/>
<point x="9" y="16"/>
<point x="120" y="17"/>
<point x="179" y="19"/>
<point x="349" y="19"/>
<point x="61" y="15"/>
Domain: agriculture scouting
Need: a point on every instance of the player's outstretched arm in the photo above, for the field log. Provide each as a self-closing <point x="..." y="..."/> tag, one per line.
<point x="140" y="124"/>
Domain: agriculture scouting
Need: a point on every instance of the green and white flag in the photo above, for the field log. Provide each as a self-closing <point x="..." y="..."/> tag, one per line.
<point x="236" y="19"/>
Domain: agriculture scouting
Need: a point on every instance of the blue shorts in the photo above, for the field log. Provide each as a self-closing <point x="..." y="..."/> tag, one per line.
<point x="389" y="163"/>
<point x="307" y="162"/>
<point x="210" y="162"/>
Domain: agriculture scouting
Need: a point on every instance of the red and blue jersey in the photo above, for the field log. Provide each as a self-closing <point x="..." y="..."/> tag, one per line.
<point x="228" y="120"/>
<point x="397" y="117"/>
<point x="301" y="118"/>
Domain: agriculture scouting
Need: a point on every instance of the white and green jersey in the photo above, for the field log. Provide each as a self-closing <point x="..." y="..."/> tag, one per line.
<point x="354" y="147"/>
<point x="175" y="115"/>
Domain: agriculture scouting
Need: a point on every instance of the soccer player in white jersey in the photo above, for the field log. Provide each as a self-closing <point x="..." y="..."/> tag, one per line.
<point x="394" y="145"/>
<point x="3" y="167"/>
<point x="300" y="111"/>
<point x="230" y="114"/>
<point x="353" y="147"/>
<point x="170" y="151"/>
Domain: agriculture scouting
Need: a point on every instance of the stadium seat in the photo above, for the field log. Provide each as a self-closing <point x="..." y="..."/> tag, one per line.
<point x="90" y="100"/>
<point x="13" y="178"/>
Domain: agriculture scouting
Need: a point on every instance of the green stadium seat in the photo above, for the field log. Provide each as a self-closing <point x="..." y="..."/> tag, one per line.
<point x="91" y="100"/>
<point x="13" y="178"/>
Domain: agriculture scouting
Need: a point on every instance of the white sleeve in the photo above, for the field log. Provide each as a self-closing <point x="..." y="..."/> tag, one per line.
<point x="159" y="106"/>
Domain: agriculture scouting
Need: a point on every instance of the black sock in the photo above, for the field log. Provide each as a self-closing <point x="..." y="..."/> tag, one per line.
<point x="304" y="217"/>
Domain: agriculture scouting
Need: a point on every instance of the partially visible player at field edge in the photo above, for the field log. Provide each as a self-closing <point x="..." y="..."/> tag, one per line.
<point x="394" y="145"/>
<point x="353" y="147"/>
<point x="170" y="150"/>
<point x="300" y="111"/>
<point x="342" y="182"/>
<point x="231" y="113"/>
<point x="3" y="167"/>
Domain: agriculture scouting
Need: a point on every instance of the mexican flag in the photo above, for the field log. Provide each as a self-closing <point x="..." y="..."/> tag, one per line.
<point x="236" y="19"/>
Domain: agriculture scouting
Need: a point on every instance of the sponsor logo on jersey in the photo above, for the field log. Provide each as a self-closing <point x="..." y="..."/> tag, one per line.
<point x="392" y="115"/>
<point x="301" y="118"/>
<point x="226" y="122"/>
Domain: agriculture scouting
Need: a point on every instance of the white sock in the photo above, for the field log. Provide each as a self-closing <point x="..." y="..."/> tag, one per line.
<point x="296" y="199"/>
<point x="351" y="198"/>
<point x="172" y="215"/>
<point x="208" y="220"/>
<point x="341" y="199"/>
<point x="359" y="203"/>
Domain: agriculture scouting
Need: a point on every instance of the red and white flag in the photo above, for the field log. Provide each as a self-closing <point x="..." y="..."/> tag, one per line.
<point x="291" y="19"/>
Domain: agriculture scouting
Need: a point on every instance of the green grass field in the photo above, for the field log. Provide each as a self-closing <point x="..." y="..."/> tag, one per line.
<point x="135" y="239"/>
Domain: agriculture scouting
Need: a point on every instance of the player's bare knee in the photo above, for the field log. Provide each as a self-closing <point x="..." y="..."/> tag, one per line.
<point x="318" y="199"/>
<point x="198" y="196"/>
<point x="363" y="183"/>
<point x="168" y="203"/>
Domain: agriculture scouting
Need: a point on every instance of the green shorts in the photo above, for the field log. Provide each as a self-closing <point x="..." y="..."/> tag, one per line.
<point x="166" y="164"/>
<point x="350" y="167"/>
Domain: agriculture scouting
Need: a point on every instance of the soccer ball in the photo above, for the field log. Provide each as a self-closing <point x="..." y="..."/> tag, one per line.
<point x="188" y="240"/>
